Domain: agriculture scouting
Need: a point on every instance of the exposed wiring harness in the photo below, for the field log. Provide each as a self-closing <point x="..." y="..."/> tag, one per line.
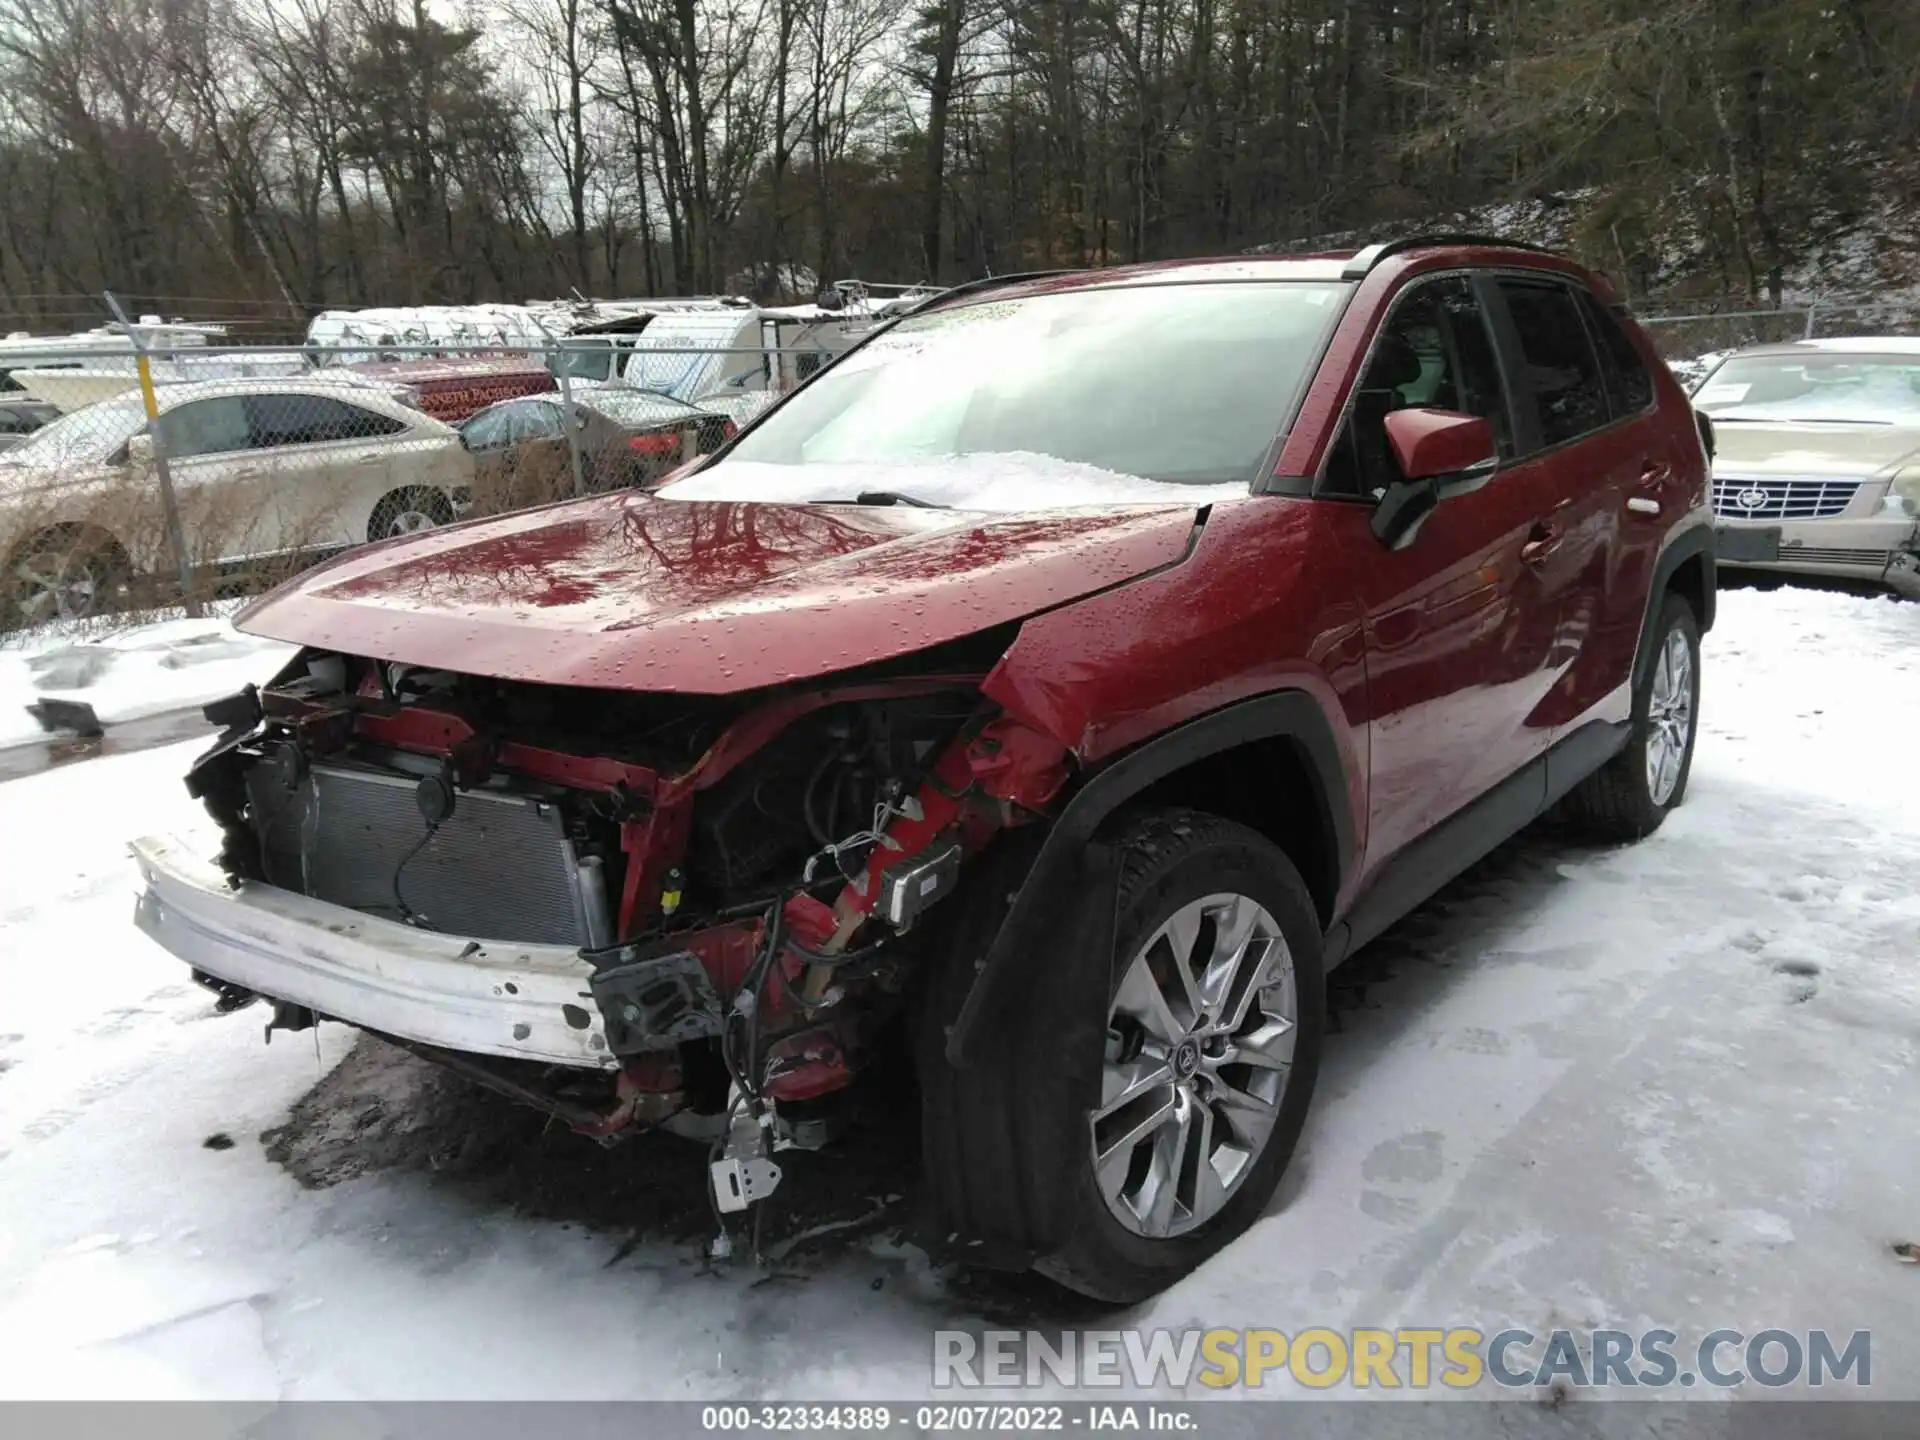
<point x="407" y="912"/>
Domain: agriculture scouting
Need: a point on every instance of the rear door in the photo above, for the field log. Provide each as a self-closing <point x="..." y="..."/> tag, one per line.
<point x="1659" y="475"/>
<point x="327" y="463"/>
<point x="1577" y="459"/>
<point x="1451" y="678"/>
<point x="1591" y="435"/>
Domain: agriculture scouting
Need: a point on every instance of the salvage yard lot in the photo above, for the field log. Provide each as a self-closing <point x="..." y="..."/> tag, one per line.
<point x="1667" y="1085"/>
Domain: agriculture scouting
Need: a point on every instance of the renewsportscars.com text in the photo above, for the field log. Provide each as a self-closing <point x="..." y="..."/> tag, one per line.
<point x="1415" y="1358"/>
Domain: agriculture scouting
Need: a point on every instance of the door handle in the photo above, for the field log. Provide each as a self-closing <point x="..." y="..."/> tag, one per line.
<point x="1540" y="544"/>
<point x="1654" y="475"/>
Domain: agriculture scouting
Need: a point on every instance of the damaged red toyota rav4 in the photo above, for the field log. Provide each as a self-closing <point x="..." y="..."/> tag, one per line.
<point x="1066" y="678"/>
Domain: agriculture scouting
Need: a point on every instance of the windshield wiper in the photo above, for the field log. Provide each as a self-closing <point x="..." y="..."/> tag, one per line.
<point x="895" y="497"/>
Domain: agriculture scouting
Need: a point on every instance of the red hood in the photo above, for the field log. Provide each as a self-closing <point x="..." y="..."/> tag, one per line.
<point x="625" y="592"/>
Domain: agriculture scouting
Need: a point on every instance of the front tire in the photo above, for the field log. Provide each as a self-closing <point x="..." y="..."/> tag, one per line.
<point x="67" y="572"/>
<point x="1629" y="796"/>
<point x="1137" y="1115"/>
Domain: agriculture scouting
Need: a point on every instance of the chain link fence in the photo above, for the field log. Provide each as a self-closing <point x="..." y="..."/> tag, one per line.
<point x="1693" y="341"/>
<point x="175" y="475"/>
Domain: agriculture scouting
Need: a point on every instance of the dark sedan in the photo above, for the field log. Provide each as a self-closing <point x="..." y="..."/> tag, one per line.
<point x="626" y="438"/>
<point x="20" y="418"/>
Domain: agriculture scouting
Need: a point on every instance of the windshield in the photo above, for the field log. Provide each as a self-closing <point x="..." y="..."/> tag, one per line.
<point x="692" y="354"/>
<point x="1847" y="388"/>
<point x="582" y="360"/>
<point x="86" y="437"/>
<point x="1124" y="394"/>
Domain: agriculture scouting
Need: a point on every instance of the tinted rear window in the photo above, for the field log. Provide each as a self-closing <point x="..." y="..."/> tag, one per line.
<point x="1559" y="368"/>
<point x="1629" y="385"/>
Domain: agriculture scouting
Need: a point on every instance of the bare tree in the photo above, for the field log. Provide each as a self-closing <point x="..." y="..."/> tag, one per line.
<point x="288" y="154"/>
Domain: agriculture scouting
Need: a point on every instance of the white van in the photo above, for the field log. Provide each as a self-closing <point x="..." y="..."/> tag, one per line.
<point x="709" y="355"/>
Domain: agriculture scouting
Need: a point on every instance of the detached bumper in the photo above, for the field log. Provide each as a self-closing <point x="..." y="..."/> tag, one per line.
<point x="523" y="1002"/>
<point x="1877" y="550"/>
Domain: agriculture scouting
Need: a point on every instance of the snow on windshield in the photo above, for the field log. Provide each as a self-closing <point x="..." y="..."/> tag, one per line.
<point x="1017" y="481"/>
<point x="1859" y="389"/>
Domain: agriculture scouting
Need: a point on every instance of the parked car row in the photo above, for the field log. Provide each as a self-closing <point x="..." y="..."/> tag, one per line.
<point x="270" y="473"/>
<point x="275" y="462"/>
<point x="263" y="471"/>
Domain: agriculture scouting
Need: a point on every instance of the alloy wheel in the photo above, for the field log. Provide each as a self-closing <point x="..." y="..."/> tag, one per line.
<point x="1200" y="1040"/>
<point x="1669" y="717"/>
<point x="409" y="522"/>
<point x="53" y="585"/>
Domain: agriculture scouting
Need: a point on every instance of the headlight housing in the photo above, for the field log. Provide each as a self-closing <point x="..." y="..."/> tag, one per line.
<point x="1903" y="495"/>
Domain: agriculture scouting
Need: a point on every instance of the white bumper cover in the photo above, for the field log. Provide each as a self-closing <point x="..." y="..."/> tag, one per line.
<point x="524" y="1002"/>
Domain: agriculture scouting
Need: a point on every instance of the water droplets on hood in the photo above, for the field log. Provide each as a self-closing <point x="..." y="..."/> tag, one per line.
<point x="1014" y="481"/>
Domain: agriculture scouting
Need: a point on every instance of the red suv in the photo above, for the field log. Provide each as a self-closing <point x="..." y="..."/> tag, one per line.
<point x="1067" y="678"/>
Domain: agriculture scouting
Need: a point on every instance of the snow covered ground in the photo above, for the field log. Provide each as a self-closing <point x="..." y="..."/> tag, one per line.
<point x="1673" y="1084"/>
<point x="128" y="671"/>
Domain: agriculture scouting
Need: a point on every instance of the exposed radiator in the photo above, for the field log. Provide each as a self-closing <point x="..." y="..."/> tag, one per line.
<point x="499" y="868"/>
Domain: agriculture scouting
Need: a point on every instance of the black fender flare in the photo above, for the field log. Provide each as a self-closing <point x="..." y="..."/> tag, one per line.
<point x="1072" y="863"/>
<point x="1696" y="540"/>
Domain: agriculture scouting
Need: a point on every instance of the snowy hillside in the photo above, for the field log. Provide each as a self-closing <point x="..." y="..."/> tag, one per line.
<point x="1872" y="255"/>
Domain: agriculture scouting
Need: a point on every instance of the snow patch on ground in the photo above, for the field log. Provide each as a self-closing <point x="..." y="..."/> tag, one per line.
<point x="130" y="672"/>
<point x="1668" y="1084"/>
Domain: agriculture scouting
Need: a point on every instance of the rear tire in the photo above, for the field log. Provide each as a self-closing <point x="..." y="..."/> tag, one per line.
<point x="1629" y="796"/>
<point x="1194" y="1106"/>
<point x="408" y="512"/>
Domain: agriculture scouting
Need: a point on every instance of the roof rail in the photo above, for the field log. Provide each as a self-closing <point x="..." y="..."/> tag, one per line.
<point x="986" y="282"/>
<point x="1364" y="260"/>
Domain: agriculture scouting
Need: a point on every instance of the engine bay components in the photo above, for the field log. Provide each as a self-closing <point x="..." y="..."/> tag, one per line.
<point x="655" y="1002"/>
<point x="910" y="888"/>
<point x="738" y="875"/>
<point x="744" y="1174"/>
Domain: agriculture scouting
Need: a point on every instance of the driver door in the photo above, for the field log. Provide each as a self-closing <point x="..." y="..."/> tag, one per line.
<point x="1456" y="651"/>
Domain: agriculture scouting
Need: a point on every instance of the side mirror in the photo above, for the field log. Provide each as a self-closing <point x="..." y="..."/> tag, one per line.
<point x="140" y="450"/>
<point x="1441" y="452"/>
<point x="1439" y="444"/>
